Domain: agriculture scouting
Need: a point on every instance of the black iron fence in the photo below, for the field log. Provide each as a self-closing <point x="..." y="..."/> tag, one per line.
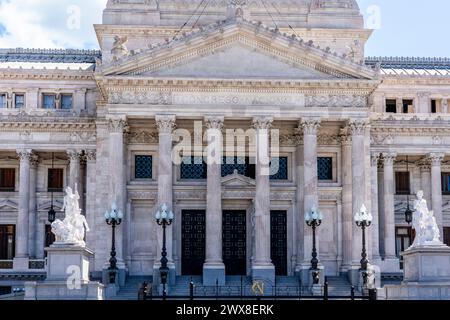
<point x="249" y="292"/>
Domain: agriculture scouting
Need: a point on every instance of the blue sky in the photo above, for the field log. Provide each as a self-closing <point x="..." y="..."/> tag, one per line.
<point x="402" y="27"/>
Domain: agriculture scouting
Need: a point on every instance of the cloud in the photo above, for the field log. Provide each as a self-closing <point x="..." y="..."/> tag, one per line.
<point x="49" y="23"/>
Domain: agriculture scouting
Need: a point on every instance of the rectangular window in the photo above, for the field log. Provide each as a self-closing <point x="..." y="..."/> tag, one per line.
<point x="402" y="183"/>
<point x="433" y="106"/>
<point x="193" y="168"/>
<point x="408" y="106"/>
<point x="49" y="101"/>
<point x="391" y="106"/>
<point x="7" y="242"/>
<point x="55" y="180"/>
<point x="279" y="169"/>
<point x="447" y="236"/>
<point x="7" y="180"/>
<point x="404" y="237"/>
<point x="325" y="168"/>
<point x="446" y="183"/>
<point x="143" y="167"/>
<point x="2" y="100"/>
<point x="66" y="101"/>
<point x="19" y="101"/>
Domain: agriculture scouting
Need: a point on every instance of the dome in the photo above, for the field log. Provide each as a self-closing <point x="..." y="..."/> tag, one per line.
<point x="339" y="14"/>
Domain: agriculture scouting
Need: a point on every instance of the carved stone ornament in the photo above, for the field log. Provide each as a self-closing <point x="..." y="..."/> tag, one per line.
<point x="310" y="126"/>
<point x="140" y="97"/>
<point x="166" y="124"/>
<point x="336" y="101"/>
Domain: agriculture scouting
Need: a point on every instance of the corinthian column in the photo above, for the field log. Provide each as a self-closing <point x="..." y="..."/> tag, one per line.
<point x="310" y="192"/>
<point x="166" y="125"/>
<point x="214" y="269"/>
<point x="116" y="127"/>
<point x="347" y="206"/>
<point x="375" y="230"/>
<point x="262" y="267"/>
<point x="22" y="256"/>
<point x="389" y="209"/>
<point x="33" y="216"/>
<point x="358" y="131"/>
<point x="91" y="176"/>
<point x="436" y="188"/>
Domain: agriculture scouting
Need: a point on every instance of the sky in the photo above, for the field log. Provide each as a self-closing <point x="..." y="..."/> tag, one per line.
<point x="401" y="27"/>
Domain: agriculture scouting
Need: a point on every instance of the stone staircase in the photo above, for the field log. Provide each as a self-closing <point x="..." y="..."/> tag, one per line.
<point x="131" y="289"/>
<point x="340" y="286"/>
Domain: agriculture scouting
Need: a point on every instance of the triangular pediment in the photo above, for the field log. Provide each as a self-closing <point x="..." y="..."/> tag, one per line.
<point x="238" y="61"/>
<point x="237" y="50"/>
<point x="8" y="205"/>
<point x="237" y="180"/>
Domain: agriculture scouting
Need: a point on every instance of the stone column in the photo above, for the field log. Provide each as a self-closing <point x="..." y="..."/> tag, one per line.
<point x="22" y="254"/>
<point x="75" y="172"/>
<point x="347" y="207"/>
<point x="91" y="176"/>
<point x="33" y="216"/>
<point x="374" y="229"/>
<point x="436" y="188"/>
<point x="262" y="267"/>
<point x="300" y="200"/>
<point x="425" y="179"/>
<point x="444" y="106"/>
<point x="310" y="127"/>
<point x="358" y="129"/>
<point x="116" y="128"/>
<point x="166" y="125"/>
<point x="389" y="209"/>
<point x="214" y="268"/>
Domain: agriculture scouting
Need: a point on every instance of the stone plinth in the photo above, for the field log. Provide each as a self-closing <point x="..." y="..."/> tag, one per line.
<point x="67" y="276"/>
<point x="427" y="264"/>
<point x="427" y="275"/>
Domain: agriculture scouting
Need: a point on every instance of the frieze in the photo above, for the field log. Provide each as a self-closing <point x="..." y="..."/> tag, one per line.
<point x="140" y="97"/>
<point x="83" y="136"/>
<point x="336" y="101"/>
<point x="142" y="137"/>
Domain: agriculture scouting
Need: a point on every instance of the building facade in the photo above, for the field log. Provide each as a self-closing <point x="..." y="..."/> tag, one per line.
<point x="350" y="131"/>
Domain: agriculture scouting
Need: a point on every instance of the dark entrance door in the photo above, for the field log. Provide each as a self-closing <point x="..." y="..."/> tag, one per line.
<point x="7" y="242"/>
<point x="234" y="242"/>
<point x="278" y="241"/>
<point x="193" y="232"/>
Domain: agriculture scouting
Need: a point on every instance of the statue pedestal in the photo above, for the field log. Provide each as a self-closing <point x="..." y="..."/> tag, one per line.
<point x="67" y="276"/>
<point x="426" y="275"/>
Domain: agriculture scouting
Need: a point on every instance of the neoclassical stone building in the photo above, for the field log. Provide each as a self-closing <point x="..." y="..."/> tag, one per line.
<point x="351" y="131"/>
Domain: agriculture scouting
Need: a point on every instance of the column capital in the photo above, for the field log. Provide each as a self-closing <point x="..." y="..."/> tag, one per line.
<point x="389" y="158"/>
<point x="310" y="125"/>
<point x="34" y="161"/>
<point x="117" y="125"/>
<point x="165" y="123"/>
<point x="345" y="137"/>
<point x="436" y="158"/>
<point x="91" y="155"/>
<point x="424" y="164"/>
<point x="25" y="154"/>
<point x="74" y="155"/>
<point x="357" y="127"/>
<point x="214" y="122"/>
<point x="375" y="158"/>
<point x="262" y="122"/>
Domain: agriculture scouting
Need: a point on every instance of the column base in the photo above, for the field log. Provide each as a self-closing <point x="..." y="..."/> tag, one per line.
<point x="390" y="265"/>
<point x="21" y="264"/>
<point x="213" y="274"/>
<point x="171" y="279"/>
<point x="264" y="273"/>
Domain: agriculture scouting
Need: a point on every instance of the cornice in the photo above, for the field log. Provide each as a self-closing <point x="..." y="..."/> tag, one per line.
<point x="34" y="74"/>
<point x="46" y="124"/>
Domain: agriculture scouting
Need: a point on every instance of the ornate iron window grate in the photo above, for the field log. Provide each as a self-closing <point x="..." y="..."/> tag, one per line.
<point x="325" y="168"/>
<point x="279" y="169"/>
<point x="193" y="168"/>
<point x="144" y="167"/>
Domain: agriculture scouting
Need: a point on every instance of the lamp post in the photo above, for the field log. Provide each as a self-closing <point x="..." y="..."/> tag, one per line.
<point x="164" y="218"/>
<point x="314" y="219"/>
<point x="113" y="219"/>
<point x="363" y="220"/>
<point x="408" y="212"/>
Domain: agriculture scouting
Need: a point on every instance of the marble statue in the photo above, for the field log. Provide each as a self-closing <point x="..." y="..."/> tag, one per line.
<point x="72" y="229"/>
<point x="119" y="48"/>
<point x="424" y="223"/>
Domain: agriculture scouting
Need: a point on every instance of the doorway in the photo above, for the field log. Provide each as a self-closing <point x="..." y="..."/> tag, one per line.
<point x="193" y="233"/>
<point x="234" y="242"/>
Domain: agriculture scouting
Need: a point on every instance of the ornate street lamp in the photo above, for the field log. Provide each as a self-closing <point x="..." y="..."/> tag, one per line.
<point x="408" y="212"/>
<point x="314" y="219"/>
<point x="52" y="212"/>
<point x="113" y="219"/>
<point x="164" y="218"/>
<point x="363" y="220"/>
